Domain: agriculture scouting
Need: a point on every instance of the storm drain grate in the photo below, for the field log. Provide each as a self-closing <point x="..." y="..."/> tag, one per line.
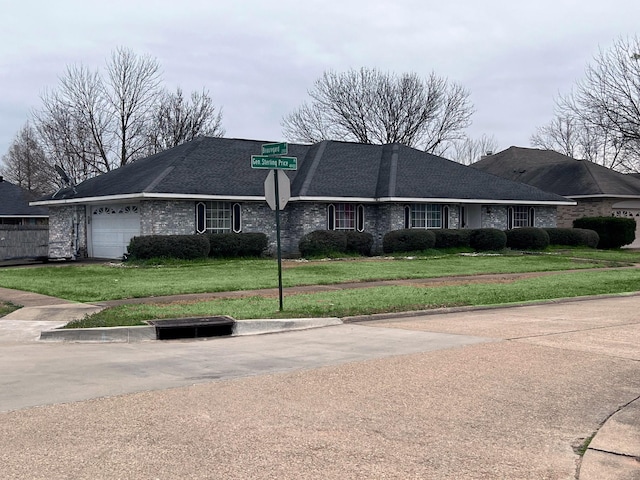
<point x="198" y="327"/>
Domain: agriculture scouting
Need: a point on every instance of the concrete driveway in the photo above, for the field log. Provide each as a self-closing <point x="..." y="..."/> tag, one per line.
<point x="503" y="393"/>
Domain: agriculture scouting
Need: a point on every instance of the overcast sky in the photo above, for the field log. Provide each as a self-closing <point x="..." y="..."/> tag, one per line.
<point x="258" y="58"/>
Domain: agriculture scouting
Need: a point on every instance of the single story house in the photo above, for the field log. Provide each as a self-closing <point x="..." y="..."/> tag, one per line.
<point x="208" y="186"/>
<point x="597" y="190"/>
<point x="23" y="228"/>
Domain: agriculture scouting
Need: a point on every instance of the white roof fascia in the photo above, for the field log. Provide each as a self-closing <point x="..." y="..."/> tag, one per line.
<point x="181" y="196"/>
<point x="429" y="200"/>
<point x="138" y="196"/>
<point x="603" y="195"/>
<point x="476" y="201"/>
<point x="334" y="199"/>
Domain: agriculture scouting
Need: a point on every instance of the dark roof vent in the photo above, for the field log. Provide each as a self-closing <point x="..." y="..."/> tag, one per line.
<point x="1" y="179"/>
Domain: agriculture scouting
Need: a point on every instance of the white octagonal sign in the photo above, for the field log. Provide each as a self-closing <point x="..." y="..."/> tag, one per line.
<point x="284" y="189"/>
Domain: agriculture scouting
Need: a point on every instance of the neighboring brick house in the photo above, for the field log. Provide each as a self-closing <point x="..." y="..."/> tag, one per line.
<point x="208" y="185"/>
<point x="23" y="228"/>
<point x="597" y="190"/>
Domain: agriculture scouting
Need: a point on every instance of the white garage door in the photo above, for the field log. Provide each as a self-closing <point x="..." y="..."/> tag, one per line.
<point x="112" y="226"/>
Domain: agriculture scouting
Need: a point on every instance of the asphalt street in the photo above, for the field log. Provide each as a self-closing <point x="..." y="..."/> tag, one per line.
<point x="509" y="393"/>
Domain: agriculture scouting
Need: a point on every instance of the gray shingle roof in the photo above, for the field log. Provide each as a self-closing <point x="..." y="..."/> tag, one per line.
<point x="330" y="169"/>
<point x="14" y="201"/>
<point x="557" y="173"/>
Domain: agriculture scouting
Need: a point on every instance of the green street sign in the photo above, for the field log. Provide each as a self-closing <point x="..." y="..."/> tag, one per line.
<point x="275" y="148"/>
<point x="276" y="163"/>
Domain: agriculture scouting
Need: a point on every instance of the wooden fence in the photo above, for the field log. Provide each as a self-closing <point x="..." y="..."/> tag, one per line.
<point x="24" y="241"/>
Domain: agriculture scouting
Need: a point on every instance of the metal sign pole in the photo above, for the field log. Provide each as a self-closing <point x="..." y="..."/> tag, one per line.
<point x="275" y="179"/>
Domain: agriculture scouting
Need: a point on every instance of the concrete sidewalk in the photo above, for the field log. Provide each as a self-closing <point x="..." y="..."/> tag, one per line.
<point x="38" y="313"/>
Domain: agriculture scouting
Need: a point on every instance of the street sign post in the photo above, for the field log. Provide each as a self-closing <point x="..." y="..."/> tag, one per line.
<point x="277" y="188"/>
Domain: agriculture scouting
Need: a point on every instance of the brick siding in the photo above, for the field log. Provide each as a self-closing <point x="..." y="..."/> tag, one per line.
<point x="68" y="224"/>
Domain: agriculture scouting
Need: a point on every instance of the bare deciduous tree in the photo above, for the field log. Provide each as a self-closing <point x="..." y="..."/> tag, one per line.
<point x="132" y="91"/>
<point x="74" y="124"/>
<point x="92" y="123"/>
<point x="369" y="106"/>
<point x="470" y="150"/>
<point x="600" y="119"/>
<point x="572" y="136"/>
<point x="561" y="135"/>
<point x="177" y="120"/>
<point x="26" y="165"/>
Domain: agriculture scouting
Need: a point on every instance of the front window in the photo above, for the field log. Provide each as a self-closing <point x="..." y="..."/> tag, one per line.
<point x="218" y="217"/>
<point x="423" y="215"/>
<point x="345" y="216"/>
<point x="521" y="216"/>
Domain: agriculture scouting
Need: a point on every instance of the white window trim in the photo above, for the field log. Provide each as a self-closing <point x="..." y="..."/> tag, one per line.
<point x="233" y="220"/>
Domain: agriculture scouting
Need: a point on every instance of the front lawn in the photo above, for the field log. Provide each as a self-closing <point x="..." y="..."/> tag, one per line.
<point x="365" y="301"/>
<point x="110" y="281"/>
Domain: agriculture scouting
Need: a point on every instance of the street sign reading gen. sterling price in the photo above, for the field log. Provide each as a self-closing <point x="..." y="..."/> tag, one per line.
<point x="277" y="163"/>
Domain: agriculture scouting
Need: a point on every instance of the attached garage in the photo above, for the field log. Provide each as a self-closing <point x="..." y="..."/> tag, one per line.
<point x="112" y="227"/>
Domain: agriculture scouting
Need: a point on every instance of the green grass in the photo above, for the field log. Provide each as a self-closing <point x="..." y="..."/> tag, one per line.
<point x="7" y="307"/>
<point x="381" y="299"/>
<point x="584" y="446"/>
<point x="99" y="282"/>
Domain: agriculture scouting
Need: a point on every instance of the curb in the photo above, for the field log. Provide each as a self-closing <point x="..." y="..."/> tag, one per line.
<point x="470" y="308"/>
<point x="255" y="327"/>
<point x="100" y="335"/>
<point x="148" y="333"/>
<point x="614" y="452"/>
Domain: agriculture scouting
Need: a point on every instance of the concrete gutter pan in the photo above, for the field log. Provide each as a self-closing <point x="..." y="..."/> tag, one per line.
<point x="148" y="333"/>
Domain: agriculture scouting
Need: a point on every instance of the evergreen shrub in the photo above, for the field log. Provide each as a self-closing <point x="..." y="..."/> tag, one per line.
<point x="184" y="247"/>
<point x="230" y="245"/>
<point x="614" y="232"/>
<point x="487" y="239"/>
<point x="451" y="238"/>
<point x="573" y="237"/>
<point x="359" y="242"/>
<point x="408" y="240"/>
<point x="527" y="238"/>
<point x="322" y="243"/>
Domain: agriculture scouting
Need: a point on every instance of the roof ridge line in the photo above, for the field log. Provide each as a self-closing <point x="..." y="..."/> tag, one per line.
<point x="595" y="180"/>
<point x="313" y="167"/>
<point x="192" y="146"/>
<point x="393" y="170"/>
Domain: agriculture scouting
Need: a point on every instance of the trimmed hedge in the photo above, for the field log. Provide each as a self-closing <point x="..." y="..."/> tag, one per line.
<point x="226" y="245"/>
<point x="322" y="242"/>
<point x="359" y="242"/>
<point x="573" y="237"/>
<point x="185" y="247"/>
<point x="527" y="238"/>
<point x="487" y="239"/>
<point x="449" y="238"/>
<point x="614" y="232"/>
<point x="331" y="242"/>
<point x="408" y="240"/>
